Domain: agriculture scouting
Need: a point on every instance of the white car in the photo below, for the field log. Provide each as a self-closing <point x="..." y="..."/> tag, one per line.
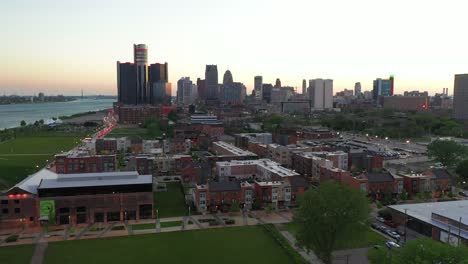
<point x="391" y="245"/>
<point x="380" y="219"/>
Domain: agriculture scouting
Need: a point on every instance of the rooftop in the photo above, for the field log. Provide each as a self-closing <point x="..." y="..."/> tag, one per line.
<point x="95" y="179"/>
<point x="233" y="149"/>
<point x="452" y="210"/>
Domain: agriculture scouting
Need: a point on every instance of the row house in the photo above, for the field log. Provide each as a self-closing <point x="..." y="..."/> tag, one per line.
<point x="363" y="160"/>
<point x="108" y="146"/>
<point x="316" y="133"/>
<point x="260" y="149"/>
<point x="214" y="196"/>
<point x="436" y="181"/>
<point x="83" y="162"/>
<point x="309" y="165"/>
<point x="276" y="193"/>
<point x="384" y="182"/>
<point x="262" y="169"/>
<point x="162" y="165"/>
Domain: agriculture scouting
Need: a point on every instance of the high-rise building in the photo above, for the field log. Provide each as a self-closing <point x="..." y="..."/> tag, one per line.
<point x="140" y="55"/>
<point x="186" y="91"/>
<point x="201" y="85"/>
<point x="392" y="85"/>
<point x="126" y="83"/>
<point x="278" y="83"/>
<point x="211" y="81"/>
<point x="321" y="93"/>
<point x="460" y="97"/>
<point x="266" y="92"/>
<point x="357" y="89"/>
<point x="227" y="78"/>
<point x="304" y="86"/>
<point x="232" y="93"/>
<point x="382" y="87"/>
<point x="258" y="83"/>
<point x="157" y="80"/>
<point x="160" y="93"/>
<point x="158" y="72"/>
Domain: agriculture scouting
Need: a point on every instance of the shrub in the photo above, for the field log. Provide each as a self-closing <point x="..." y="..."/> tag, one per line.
<point x="385" y="213"/>
<point x="12" y="238"/>
<point x="230" y="222"/>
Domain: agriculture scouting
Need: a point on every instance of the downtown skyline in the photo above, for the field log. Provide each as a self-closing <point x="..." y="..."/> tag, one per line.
<point x="61" y="48"/>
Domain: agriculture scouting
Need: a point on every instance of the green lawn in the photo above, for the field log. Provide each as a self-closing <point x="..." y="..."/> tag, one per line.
<point x="172" y="202"/>
<point x="229" y="245"/>
<point x="132" y="133"/>
<point x="144" y="226"/>
<point x="16" y="254"/>
<point x="365" y="239"/>
<point x="171" y="224"/>
<point x="19" y="157"/>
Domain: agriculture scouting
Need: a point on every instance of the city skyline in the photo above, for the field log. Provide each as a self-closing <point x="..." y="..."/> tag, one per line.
<point x="63" y="48"/>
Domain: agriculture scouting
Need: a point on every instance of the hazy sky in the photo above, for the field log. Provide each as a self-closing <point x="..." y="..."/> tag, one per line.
<point x="65" y="46"/>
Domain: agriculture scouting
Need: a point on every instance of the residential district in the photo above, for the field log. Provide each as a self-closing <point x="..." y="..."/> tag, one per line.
<point x="215" y="147"/>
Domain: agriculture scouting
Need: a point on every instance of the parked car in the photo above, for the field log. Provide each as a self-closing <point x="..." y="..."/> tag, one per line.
<point x="463" y="193"/>
<point x="400" y="232"/>
<point x="380" y="219"/>
<point x="390" y="223"/>
<point x="391" y="245"/>
<point x="375" y="226"/>
<point x="393" y="234"/>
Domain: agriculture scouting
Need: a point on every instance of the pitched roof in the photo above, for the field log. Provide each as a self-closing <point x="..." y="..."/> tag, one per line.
<point x="298" y="181"/>
<point x="224" y="186"/>
<point x="384" y="176"/>
<point x="441" y="174"/>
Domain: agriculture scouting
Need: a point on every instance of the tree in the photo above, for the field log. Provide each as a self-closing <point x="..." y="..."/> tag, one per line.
<point x="330" y="213"/>
<point x="172" y="116"/>
<point x="23" y="123"/>
<point x="421" y="251"/>
<point x="462" y="170"/>
<point x="447" y="152"/>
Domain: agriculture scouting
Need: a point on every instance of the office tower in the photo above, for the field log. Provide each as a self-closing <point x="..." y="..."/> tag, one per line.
<point x="392" y="85"/>
<point x="211" y="82"/>
<point x="460" y="97"/>
<point x="321" y="93"/>
<point x="382" y="87"/>
<point x="357" y="89"/>
<point x="186" y="91"/>
<point x="201" y="85"/>
<point x="126" y="83"/>
<point x="266" y="92"/>
<point x="140" y="55"/>
<point x="158" y="72"/>
<point x="304" y="86"/>
<point x="227" y="78"/>
<point x="232" y="93"/>
<point x="258" y="83"/>
<point x="160" y="93"/>
<point x="278" y="83"/>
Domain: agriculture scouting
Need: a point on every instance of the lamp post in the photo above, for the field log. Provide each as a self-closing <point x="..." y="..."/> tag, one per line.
<point x="406" y="220"/>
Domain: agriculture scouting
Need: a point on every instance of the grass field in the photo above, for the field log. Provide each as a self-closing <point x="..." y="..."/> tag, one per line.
<point x="19" y="157"/>
<point x="16" y="254"/>
<point x="132" y="133"/>
<point x="171" y="224"/>
<point x="172" y="202"/>
<point x="228" y="245"/>
<point x="365" y="239"/>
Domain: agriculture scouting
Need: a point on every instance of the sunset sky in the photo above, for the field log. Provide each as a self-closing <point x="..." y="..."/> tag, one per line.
<point x="61" y="47"/>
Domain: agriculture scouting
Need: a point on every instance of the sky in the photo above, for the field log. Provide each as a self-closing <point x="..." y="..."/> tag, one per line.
<point x="61" y="47"/>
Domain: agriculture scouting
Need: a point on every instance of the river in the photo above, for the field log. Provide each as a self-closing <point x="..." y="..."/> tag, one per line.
<point x="11" y="115"/>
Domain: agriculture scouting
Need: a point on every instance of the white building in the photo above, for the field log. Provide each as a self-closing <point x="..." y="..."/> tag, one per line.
<point x="321" y="93"/>
<point x="187" y="92"/>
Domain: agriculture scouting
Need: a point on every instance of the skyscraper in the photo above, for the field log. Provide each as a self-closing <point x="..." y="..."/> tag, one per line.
<point x="157" y="79"/>
<point x="392" y="85"/>
<point x="304" y="86"/>
<point x="258" y="83"/>
<point x="321" y="93"/>
<point x="460" y="97"/>
<point x="278" y="83"/>
<point x="211" y="80"/>
<point x="186" y="91"/>
<point x="126" y="83"/>
<point x="227" y="78"/>
<point x="140" y="56"/>
<point x="201" y="86"/>
<point x="357" y="89"/>
<point x="266" y="92"/>
<point x="382" y="87"/>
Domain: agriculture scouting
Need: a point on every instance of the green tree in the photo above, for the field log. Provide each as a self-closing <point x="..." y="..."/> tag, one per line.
<point x="234" y="207"/>
<point x="172" y="116"/>
<point x="330" y="213"/>
<point x="447" y="152"/>
<point x="23" y="123"/>
<point x="462" y="170"/>
<point x="421" y="251"/>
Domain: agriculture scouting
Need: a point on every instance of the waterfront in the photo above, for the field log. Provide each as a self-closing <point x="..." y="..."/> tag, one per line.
<point x="11" y="115"/>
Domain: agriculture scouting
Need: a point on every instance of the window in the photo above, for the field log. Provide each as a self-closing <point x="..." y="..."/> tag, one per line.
<point x="17" y="210"/>
<point x="16" y="201"/>
<point x="81" y="209"/>
<point x="4" y="201"/>
<point x="5" y="211"/>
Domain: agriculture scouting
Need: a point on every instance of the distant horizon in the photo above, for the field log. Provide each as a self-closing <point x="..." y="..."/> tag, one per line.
<point x="59" y="47"/>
